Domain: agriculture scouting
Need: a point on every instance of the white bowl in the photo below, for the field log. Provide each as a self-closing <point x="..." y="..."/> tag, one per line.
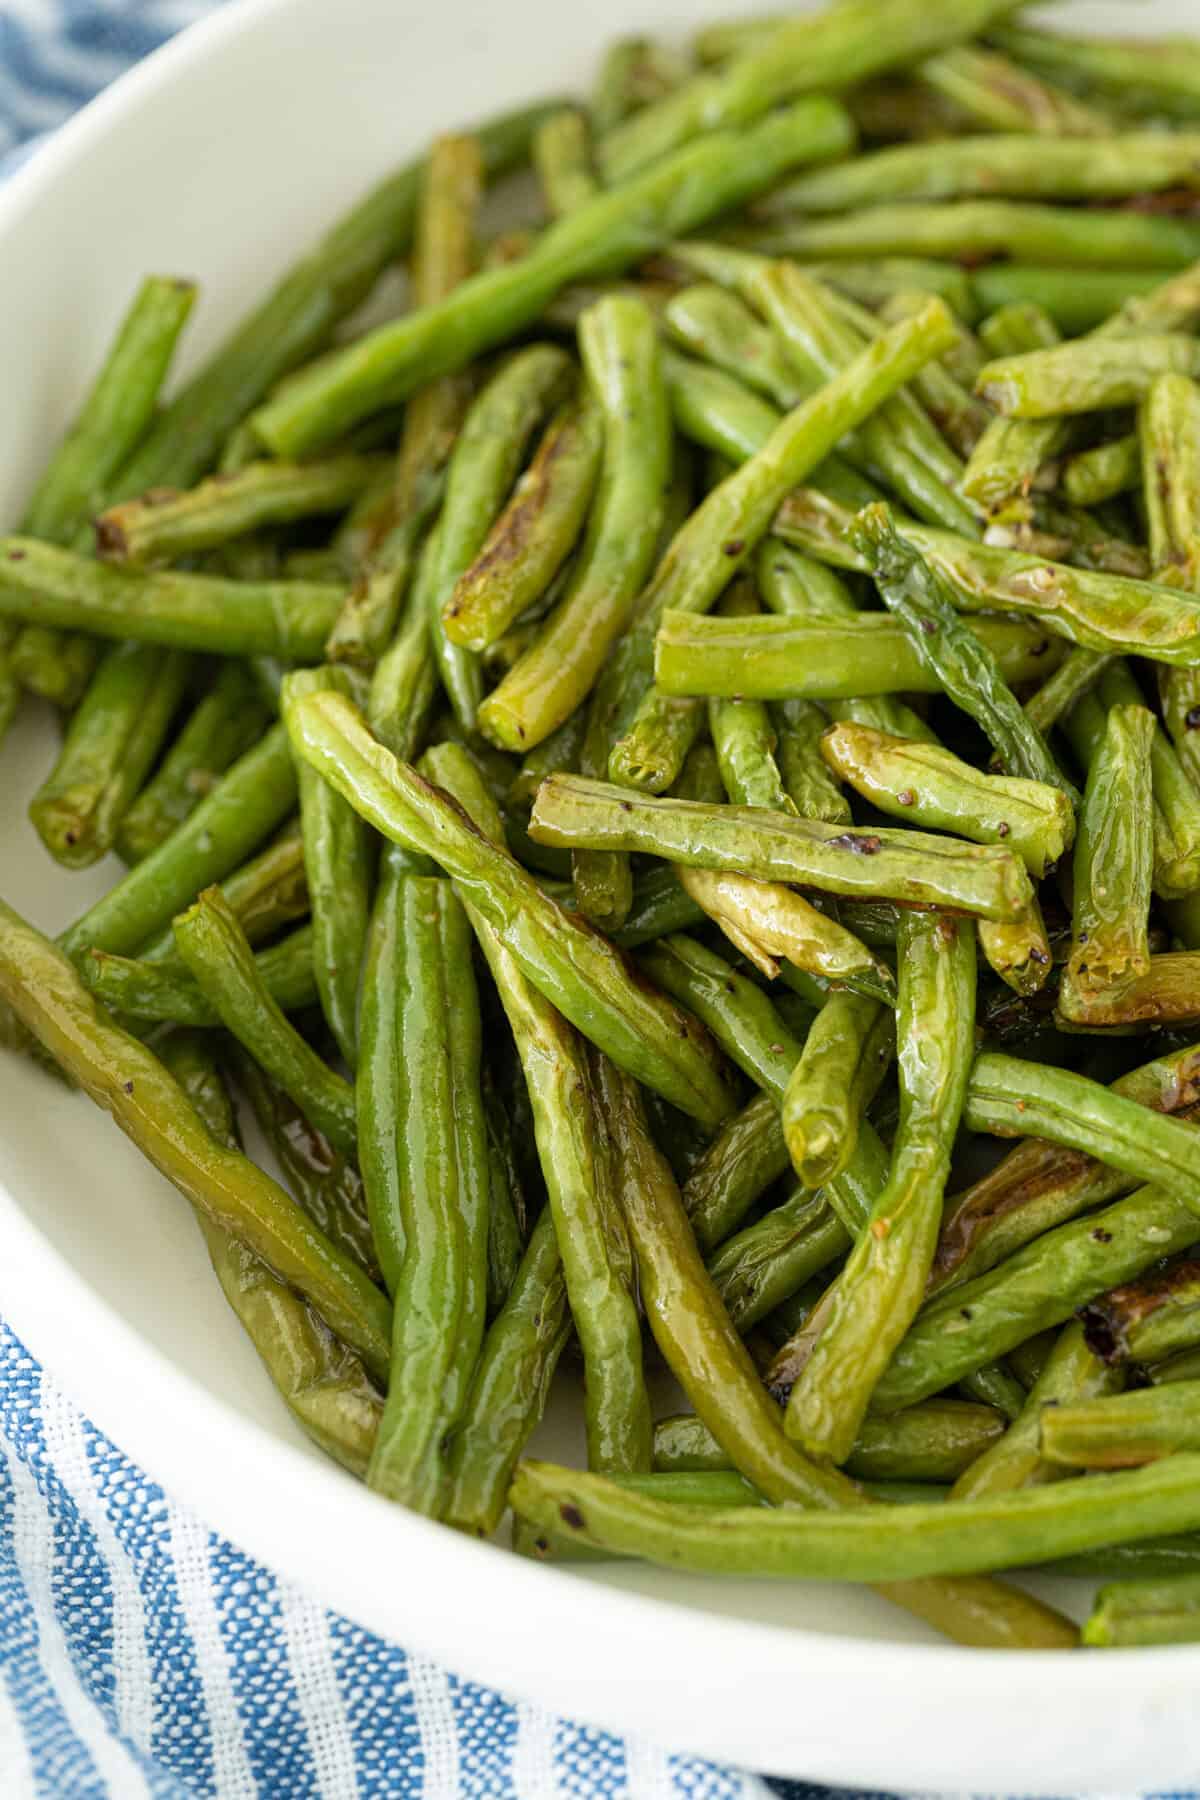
<point x="220" y="158"/>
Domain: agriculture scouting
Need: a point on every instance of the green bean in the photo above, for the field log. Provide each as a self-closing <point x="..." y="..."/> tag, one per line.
<point x="844" y="1059"/>
<point x="946" y="388"/>
<point x="55" y="665"/>
<point x="603" y="236"/>
<point x="561" y="750"/>
<point x="723" y="415"/>
<point x="321" y="1381"/>
<point x="1162" y="75"/>
<point x="1168" y="993"/>
<point x="994" y="1385"/>
<point x="1019" y="952"/>
<point x="795" y="585"/>
<point x="717" y="1490"/>
<point x="911" y="867"/>
<point x="799" y="725"/>
<point x="1013" y="165"/>
<point x="1158" y="1559"/>
<point x="113" y="420"/>
<point x="660" y="906"/>
<point x="1146" y="1319"/>
<point x="404" y="682"/>
<point x="730" y="37"/>
<point x="1182" y="1367"/>
<point x="1077" y="300"/>
<point x="840" y="47"/>
<point x="510" y="1385"/>
<point x="783" y="934"/>
<point x="1014" y="327"/>
<point x="933" y="1442"/>
<point x="337" y="861"/>
<point x="738" y="1014"/>
<point x="1088" y="375"/>
<point x="1114" y="857"/>
<point x="111" y="744"/>
<point x="746" y="1156"/>
<point x="968" y="1537"/>
<point x="573" y="1097"/>
<point x="267" y="893"/>
<point x="116" y="413"/>
<point x="1007" y="462"/>
<point x="708" y="1359"/>
<point x="1100" y="611"/>
<point x="1042" y="1285"/>
<point x="720" y="329"/>
<point x="823" y="332"/>
<point x="603" y="883"/>
<point x="873" y="280"/>
<point x="757" y="1268"/>
<point x="967" y="229"/>
<point x="562" y="156"/>
<point x="633" y="72"/>
<point x="212" y="943"/>
<point x="370" y="611"/>
<point x="223" y="725"/>
<point x="485" y="463"/>
<point x="533" y="535"/>
<point x="1130" y="1613"/>
<point x="440" y="1146"/>
<point x="1092" y="476"/>
<point x="1169" y="306"/>
<point x="742" y="734"/>
<point x="1169" y="440"/>
<point x="1072" y="1373"/>
<point x="1074" y="677"/>
<point x="1012" y="1098"/>
<point x="1175" y="814"/>
<point x="582" y="974"/>
<point x="10" y="687"/>
<point x="163" y="526"/>
<point x="735" y="516"/>
<point x="997" y="93"/>
<point x="298" y="316"/>
<point x="917" y="594"/>
<point x="695" y="1336"/>
<point x="619" y="345"/>
<point x="443" y="256"/>
<point x="824" y="659"/>
<point x="874" y="1300"/>
<point x="157" y="991"/>
<point x="324" y="1182"/>
<point x="255" y="796"/>
<point x="189" y="612"/>
<point x="798" y="587"/>
<point x="1122" y="1431"/>
<point x="377" y="1090"/>
<point x="934" y="788"/>
<point x="38" y="982"/>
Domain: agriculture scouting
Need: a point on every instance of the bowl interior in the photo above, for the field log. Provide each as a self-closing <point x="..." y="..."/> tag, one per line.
<point x="220" y="160"/>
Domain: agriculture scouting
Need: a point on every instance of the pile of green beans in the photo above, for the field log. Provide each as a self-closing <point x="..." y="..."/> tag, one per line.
<point x="643" y="770"/>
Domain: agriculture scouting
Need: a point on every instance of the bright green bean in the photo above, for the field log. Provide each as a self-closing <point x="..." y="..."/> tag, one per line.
<point x="337" y="861"/>
<point x="874" y="1300"/>
<point x="212" y="943"/>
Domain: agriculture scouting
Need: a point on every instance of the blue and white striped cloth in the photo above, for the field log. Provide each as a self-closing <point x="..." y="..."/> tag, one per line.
<point x="142" y="1657"/>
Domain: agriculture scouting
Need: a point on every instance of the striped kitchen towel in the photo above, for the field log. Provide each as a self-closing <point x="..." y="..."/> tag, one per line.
<point x="142" y="1657"/>
<point x="140" y="1654"/>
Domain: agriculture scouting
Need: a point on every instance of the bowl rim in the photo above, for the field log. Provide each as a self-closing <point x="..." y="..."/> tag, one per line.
<point x="127" y="1386"/>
